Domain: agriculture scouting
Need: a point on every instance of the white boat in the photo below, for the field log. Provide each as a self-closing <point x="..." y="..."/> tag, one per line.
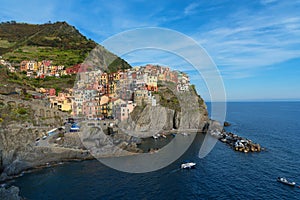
<point x="155" y="137"/>
<point x="285" y="181"/>
<point x="188" y="165"/>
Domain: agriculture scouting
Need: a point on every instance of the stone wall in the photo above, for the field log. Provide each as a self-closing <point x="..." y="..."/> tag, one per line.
<point x="40" y="108"/>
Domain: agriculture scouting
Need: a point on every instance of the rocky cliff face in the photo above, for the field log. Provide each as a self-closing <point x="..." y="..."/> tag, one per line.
<point x="18" y="152"/>
<point x="21" y="124"/>
<point x="150" y="120"/>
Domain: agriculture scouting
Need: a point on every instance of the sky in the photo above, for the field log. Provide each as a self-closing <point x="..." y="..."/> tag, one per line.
<point x="255" y="44"/>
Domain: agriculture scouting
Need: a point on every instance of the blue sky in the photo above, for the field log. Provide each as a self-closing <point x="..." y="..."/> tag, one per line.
<point x="254" y="43"/>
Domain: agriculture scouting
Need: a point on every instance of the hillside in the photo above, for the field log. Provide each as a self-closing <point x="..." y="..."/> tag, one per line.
<point x="59" y="42"/>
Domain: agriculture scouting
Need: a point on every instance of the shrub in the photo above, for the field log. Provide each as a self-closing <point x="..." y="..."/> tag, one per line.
<point x="21" y="111"/>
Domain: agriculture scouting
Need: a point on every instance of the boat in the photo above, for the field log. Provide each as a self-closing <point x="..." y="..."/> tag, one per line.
<point x="184" y="134"/>
<point x="223" y="140"/>
<point x="154" y="137"/>
<point x="74" y="128"/>
<point x="285" y="181"/>
<point x="188" y="165"/>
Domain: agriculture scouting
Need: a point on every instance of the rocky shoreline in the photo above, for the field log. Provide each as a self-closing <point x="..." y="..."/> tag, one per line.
<point x="236" y="142"/>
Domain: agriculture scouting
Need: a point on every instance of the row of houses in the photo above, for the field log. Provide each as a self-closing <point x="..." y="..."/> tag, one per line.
<point x="99" y="94"/>
<point x="114" y="95"/>
<point x="41" y="69"/>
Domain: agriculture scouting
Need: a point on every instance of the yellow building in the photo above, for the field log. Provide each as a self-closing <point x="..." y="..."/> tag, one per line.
<point x="32" y="65"/>
<point x="152" y="83"/>
<point x="161" y="77"/>
<point x="104" y="100"/>
<point x="65" y="105"/>
<point x="112" y="88"/>
<point x="61" y="102"/>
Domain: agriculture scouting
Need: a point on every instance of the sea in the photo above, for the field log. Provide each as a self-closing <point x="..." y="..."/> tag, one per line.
<point x="222" y="174"/>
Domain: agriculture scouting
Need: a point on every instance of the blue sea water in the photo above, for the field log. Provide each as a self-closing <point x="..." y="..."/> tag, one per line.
<point x="222" y="174"/>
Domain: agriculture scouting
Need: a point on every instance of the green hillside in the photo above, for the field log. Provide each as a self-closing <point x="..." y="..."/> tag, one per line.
<point x="59" y="42"/>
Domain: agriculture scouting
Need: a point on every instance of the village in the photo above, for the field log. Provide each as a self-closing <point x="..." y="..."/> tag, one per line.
<point x="100" y="95"/>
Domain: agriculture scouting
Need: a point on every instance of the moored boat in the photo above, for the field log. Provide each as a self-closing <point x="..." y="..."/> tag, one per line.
<point x="285" y="181"/>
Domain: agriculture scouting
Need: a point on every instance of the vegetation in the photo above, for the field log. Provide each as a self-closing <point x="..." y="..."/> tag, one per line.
<point x="20" y="111"/>
<point x="168" y="99"/>
<point x="10" y="113"/>
<point x="59" y="35"/>
<point x="48" y="82"/>
<point x="118" y="64"/>
<point x="59" y="42"/>
<point x="200" y="100"/>
<point x="66" y="57"/>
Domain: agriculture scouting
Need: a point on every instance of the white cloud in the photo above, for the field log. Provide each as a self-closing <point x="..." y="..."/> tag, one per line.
<point x="191" y="8"/>
<point x="253" y="42"/>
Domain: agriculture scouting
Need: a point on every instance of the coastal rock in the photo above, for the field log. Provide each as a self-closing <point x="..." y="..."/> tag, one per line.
<point x="151" y="120"/>
<point x="18" y="150"/>
<point x="227" y="124"/>
<point x="11" y="193"/>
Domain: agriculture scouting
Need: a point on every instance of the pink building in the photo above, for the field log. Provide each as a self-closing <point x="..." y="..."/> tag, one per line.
<point x="52" y="92"/>
<point x="123" y="110"/>
<point x="89" y="109"/>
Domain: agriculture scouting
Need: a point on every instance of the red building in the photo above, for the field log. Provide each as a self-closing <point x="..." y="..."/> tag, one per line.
<point x="78" y="68"/>
<point x="73" y="70"/>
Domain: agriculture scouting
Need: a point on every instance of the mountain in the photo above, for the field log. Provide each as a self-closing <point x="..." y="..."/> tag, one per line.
<point x="59" y="42"/>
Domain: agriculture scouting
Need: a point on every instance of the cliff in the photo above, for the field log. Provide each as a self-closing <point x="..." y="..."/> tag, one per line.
<point x="188" y="114"/>
<point x="21" y="123"/>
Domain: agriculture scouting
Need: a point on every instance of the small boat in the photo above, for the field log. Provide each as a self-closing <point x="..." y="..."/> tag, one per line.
<point x="223" y="140"/>
<point x="188" y="165"/>
<point x="285" y="181"/>
<point x="154" y="137"/>
<point x="184" y="134"/>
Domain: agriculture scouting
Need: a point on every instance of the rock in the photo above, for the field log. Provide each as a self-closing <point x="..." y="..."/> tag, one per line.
<point x="154" y="119"/>
<point x="18" y="151"/>
<point x="11" y="193"/>
<point x="258" y="148"/>
<point x="227" y="124"/>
